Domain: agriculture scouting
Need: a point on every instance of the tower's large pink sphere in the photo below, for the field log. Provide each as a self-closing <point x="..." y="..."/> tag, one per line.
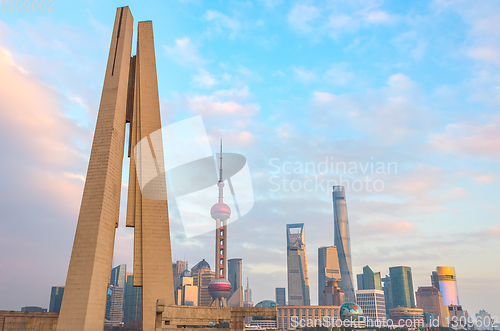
<point x="219" y="288"/>
<point x="220" y="211"/>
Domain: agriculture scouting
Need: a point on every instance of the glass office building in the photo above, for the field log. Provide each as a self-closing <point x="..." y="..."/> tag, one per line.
<point x="298" y="279"/>
<point x="402" y="287"/>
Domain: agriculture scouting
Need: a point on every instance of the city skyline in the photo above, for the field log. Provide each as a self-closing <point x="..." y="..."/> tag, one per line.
<point x="410" y="84"/>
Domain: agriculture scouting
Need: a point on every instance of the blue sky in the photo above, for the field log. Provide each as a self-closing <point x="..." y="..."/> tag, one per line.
<point x="417" y="84"/>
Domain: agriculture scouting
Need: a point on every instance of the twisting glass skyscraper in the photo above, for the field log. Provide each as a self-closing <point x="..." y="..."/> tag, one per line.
<point x="343" y="242"/>
<point x="298" y="280"/>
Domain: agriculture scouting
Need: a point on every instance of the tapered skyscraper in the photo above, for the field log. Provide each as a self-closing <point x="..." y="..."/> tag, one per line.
<point x="298" y="279"/>
<point x="342" y="241"/>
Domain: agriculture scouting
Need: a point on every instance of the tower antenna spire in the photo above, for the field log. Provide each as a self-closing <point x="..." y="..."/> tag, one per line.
<point x="221" y="182"/>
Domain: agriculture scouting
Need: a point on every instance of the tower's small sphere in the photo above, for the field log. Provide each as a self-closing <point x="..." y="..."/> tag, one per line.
<point x="220" y="211"/>
<point x="219" y="288"/>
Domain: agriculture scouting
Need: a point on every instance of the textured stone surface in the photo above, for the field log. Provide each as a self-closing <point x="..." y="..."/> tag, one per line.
<point x="84" y="303"/>
<point x="152" y="253"/>
<point x="27" y="321"/>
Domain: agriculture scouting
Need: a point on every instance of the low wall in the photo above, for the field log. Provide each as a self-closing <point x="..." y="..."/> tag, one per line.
<point x="27" y="321"/>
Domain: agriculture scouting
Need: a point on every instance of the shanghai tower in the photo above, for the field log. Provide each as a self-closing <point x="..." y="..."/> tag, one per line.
<point x="343" y="242"/>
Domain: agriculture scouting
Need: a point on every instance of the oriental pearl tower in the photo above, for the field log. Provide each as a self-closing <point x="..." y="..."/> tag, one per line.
<point x="220" y="288"/>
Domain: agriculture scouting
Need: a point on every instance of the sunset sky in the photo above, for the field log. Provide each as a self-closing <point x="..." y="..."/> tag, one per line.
<point x="404" y="94"/>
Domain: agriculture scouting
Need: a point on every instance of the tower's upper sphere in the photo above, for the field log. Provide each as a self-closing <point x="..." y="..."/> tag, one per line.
<point x="220" y="211"/>
<point x="219" y="288"/>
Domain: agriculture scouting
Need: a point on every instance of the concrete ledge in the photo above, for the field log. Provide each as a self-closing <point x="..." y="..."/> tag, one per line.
<point x="25" y="320"/>
<point x="173" y="316"/>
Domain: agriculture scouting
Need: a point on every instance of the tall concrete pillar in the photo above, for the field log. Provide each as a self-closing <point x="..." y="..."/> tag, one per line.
<point x="130" y="94"/>
<point x="84" y="302"/>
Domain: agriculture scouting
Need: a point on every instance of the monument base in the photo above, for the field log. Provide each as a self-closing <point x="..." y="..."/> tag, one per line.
<point x="172" y="317"/>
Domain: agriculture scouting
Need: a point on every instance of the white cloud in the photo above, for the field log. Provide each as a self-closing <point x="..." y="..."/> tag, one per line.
<point x="393" y="113"/>
<point x="185" y="53"/>
<point x="204" y="79"/>
<point x="338" y="74"/>
<point x="228" y="104"/>
<point x="222" y="22"/>
<point x="300" y="17"/>
<point x="304" y="75"/>
<point x="486" y="54"/>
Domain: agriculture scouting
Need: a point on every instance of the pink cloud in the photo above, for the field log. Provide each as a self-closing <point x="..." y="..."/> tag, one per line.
<point x="470" y="139"/>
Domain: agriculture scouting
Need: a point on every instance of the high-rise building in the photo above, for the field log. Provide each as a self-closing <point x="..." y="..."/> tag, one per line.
<point x="202" y="276"/>
<point x="359" y="281"/>
<point x="333" y="294"/>
<point x="56" y="295"/>
<point x="187" y="292"/>
<point x="132" y="308"/>
<point x="281" y="296"/>
<point x="178" y="268"/>
<point x="455" y="313"/>
<point x="247" y="302"/>
<point x="430" y="300"/>
<point x="343" y="242"/>
<point x="298" y="279"/>
<point x="448" y="285"/>
<point x="114" y="308"/>
<point x="483" y="320"/>
<point x="328" y="269"/>
<point x="387" y="293"/>
<point x="402" y="287"/>
<point x="435" y="280"/>
<point x="234" y="277"/>
<point x="372" y="302"/>
<point x="369" y="280"/>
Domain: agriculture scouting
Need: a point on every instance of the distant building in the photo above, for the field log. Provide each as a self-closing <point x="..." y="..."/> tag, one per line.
<point x="298" y="279"/>
<point x="430" y="300"/>
<point x="333" y="295"/>
<point x="34" y="309"/>
<point x="435" y="280"/>
<point x="369" y="280"/>
<point x="247" y="301"/>
<point x="455" y="312"/>
<point x="448" y="285"/>
<point x="484" y="321"/>
<point x="372" y="302"/>
<point x="132" y="308"/>
<point x="202" y="276"/>
<point x="402" y="287"/>
<point x="234" y="276"/>
<point x="187" y="293"/>
<point x="387" y="288"/>
<point x="56" y="295"/>
<point x="328" y="269"/>
<point x="402" y="315"/>
<point x="281" y="296"/>
<point x="359" y="281"/>
<point x="304" y="313"/>
<point x="342" y="241"/>
<point x="177" y="268"/>
<point x="116" y="291"/>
